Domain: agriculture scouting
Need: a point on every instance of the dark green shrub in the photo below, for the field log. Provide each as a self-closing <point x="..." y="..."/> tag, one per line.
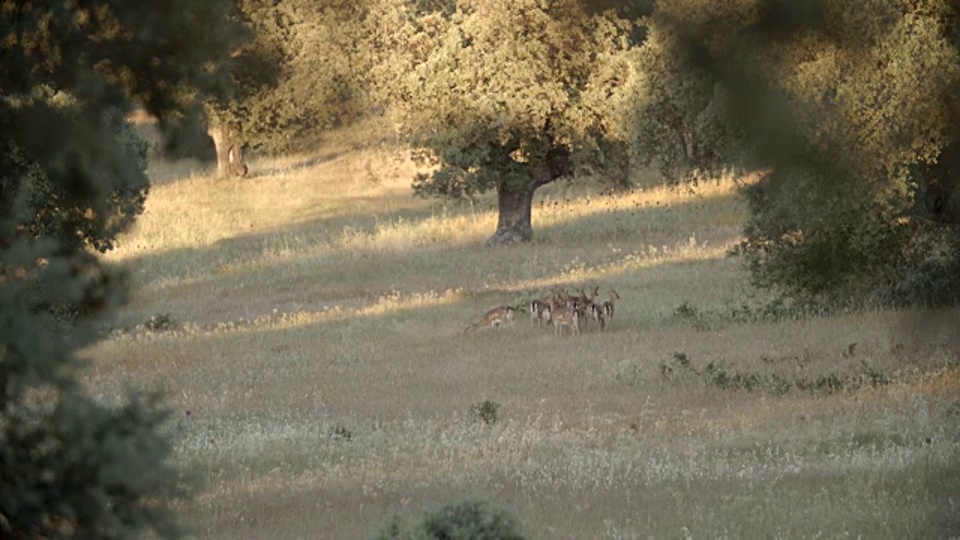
<point x="839" y="248"/>
<point x="716" y="375"/>
<point x="77" y="469"/>
<point x="685" y="312"/>
<point x="160" y="322"/>
<point x="340" y="433"/>
<point x="723" y="377"/>
<point x="470" y="520"/>
<point x="680" y="366"/>
<point x="485" y="411"/>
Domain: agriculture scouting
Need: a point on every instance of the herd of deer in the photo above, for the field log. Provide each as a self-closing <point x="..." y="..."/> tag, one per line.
<point x="560" y="308"/>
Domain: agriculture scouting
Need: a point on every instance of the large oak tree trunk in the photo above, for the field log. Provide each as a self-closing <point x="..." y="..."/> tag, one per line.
<point x="515" y="197"/>
<point x="515" y="204"/>
<point x="229" y="150"/>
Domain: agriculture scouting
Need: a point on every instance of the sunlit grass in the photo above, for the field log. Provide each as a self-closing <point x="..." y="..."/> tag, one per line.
<point x="320" y="379"/>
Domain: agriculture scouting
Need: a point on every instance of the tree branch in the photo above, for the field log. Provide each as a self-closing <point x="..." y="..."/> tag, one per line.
<point x="556" y="164"/>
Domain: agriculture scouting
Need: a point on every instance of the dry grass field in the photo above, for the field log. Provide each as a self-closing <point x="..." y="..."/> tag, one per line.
<point x="306" y="325"/>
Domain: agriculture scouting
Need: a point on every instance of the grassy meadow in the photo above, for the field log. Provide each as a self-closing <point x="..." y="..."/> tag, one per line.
<point x="306" y="325"/>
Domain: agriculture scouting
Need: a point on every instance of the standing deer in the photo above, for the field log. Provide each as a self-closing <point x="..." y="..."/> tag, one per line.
<point x="575" y="301"/>
<point x="590" y="306"/>
<point x="539" y="312"/>
<point x="567" y="317"/>
<point x="596" y="313"/>
<point x="609" y="307"/>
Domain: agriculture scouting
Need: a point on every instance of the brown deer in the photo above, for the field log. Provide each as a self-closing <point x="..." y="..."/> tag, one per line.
<point x="567" y="317"/>
<point x="574" y="301"/>
<point x="595" y="311"/>
<point x="590" y="307"/>
<point x="609" y="307"/>
<point x="495" y="317"/>
<point x="539" y="312"/>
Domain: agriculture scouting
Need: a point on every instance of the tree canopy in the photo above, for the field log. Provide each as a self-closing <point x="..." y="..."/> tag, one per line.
<point x="297" y="76"/>
<point x="72" y="178"/>
<point x="854" y="110"/>
<point x="502" y="95"/>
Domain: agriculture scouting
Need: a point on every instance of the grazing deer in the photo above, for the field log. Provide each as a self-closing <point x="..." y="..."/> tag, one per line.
<point x="539" y="312"/>
<point x="609" y="306"/>
<point x="495" y="317"/>
<point x="567" y="317"/>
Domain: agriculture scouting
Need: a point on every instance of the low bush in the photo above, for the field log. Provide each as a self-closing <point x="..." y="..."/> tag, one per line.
<point x="469" y="520"/>
<point x="724" y="377"/>
<point x="485" y="411"/>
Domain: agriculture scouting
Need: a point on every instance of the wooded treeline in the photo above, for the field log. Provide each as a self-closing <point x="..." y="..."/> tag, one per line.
<point x="851" y="107"/>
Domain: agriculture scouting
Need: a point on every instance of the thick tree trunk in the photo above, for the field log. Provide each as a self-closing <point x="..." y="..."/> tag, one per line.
<point x="515" y="198"/>
<point x="229" y="151"/>
<point x="515" y="203"/>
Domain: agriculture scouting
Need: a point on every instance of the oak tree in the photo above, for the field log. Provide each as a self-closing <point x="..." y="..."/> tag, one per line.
<point x="501" y="95"/>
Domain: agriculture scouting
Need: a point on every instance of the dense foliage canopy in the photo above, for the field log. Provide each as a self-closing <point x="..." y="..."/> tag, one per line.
<point x="72" y="178"/>
<point x="854" y="110"/>
<point x="503" y="96"/>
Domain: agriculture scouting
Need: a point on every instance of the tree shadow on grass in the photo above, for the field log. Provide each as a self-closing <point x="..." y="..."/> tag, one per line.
<point x="316" y="264"/>
<point x="307" y="162"/>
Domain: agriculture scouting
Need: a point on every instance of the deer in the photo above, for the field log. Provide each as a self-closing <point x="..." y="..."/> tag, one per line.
<point x="540" y="308"/>
<point x="495" y="317"/>
<point x="596" y="312"/>
<point x="567" y="317"/>
<point x="595" y="294"/>
<point x="609" y="305"/>
<point x="573" y="301"/>
<point x="590" y="306"/>
<point x="583" y="299"/>
<point x="539" y="312"/>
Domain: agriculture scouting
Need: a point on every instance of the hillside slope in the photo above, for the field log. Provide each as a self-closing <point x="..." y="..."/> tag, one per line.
<point x="307" y="326"/>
